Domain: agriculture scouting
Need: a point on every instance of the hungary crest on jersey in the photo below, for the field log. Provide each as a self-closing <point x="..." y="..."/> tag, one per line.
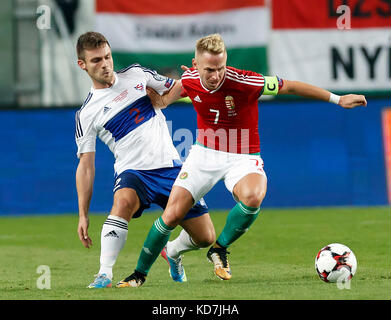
<point x="229" y="102"/>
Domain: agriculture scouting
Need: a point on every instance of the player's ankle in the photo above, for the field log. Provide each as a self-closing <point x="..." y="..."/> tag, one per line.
<point x="217" y="245"/>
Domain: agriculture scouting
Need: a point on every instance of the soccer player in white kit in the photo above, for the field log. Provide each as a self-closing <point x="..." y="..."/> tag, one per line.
<point x="119" y="111"/>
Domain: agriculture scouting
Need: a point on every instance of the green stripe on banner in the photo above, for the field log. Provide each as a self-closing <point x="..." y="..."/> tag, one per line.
<point x="169" y="64"/>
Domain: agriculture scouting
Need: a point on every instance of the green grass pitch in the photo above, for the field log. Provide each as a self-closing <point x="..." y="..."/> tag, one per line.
<point x="274" y="260"/>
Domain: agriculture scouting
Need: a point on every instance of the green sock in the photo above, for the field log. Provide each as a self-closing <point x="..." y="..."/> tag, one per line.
<point x="239" y="219"/>
<point x="154" y="243"/>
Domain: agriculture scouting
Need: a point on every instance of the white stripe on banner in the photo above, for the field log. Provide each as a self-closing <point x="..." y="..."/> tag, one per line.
<point x="357" y="59"/>
<point x="247" y="27"/>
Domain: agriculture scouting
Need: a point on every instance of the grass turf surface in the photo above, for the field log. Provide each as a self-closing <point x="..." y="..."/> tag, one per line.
<point x="274" y="260"/>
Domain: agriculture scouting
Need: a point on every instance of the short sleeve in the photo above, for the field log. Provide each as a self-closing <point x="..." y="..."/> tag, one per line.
<point x="158" y="82"/>
<point x="85" y="133"/>
<point x="183" y="92"/>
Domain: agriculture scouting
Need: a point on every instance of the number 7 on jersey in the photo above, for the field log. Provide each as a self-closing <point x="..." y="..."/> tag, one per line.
<point x="217" y="114"/>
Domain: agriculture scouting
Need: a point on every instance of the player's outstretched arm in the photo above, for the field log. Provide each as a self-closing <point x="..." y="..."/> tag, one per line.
<point x="306" y="90"/>
<point x="169" y="97"/>
<point x="85" y="175"/>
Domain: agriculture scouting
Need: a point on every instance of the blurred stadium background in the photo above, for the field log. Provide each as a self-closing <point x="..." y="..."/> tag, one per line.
<point x="316" y="154"/>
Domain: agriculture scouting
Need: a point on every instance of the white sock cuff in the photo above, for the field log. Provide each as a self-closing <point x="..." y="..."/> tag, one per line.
<point x="118" y="218"/>
<point x="181" y="244"/>
<point x="192" y="242"/>
<point x="117" y="222"/>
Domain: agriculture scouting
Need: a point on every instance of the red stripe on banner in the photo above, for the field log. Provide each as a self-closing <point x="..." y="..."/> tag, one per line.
<point x="322" y="14"/>
<point x="386" y="123"/>
<point x="172" y="6"/>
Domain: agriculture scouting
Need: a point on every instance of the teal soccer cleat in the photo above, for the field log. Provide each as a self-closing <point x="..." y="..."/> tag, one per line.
<point x="177" y="271"/>
<point x="101" y="281"/>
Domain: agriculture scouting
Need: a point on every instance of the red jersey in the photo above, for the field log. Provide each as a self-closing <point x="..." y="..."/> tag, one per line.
<point x="227" y="117"/>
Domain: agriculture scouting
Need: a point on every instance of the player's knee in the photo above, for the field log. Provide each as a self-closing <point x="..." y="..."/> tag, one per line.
<point x="253" y="198"/>
<point x="176" y="210"/>
<point x="205" y="239"/>
<point x="124" y="207"/>
<point x="171" y="217"/>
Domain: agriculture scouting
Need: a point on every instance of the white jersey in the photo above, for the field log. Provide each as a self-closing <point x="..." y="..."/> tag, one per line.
<point x="123" y="117"/>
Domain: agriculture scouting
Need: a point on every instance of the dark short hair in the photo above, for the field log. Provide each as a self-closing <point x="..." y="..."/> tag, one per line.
<point x="89" y="40"/>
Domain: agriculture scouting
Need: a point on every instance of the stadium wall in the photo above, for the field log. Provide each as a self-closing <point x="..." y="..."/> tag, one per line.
<point x="315" y="154"/>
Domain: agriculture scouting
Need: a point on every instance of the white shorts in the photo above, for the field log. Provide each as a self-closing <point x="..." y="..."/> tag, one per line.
<point x="204" y="167"/>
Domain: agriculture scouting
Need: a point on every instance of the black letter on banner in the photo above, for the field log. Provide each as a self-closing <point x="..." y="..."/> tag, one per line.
<point x="357" y="10"/>
<point x="371" y="60"/>
<point x="333" y="7"/>
<point x="383" y="13"/>
<point x="347" y="65"/>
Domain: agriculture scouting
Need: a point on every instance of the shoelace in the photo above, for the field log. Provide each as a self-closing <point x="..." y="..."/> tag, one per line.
<point x="134" y="278"/>
<point x="179" y="265"/>
<point x="98" y="277"/>
<point x="221" y="256"/>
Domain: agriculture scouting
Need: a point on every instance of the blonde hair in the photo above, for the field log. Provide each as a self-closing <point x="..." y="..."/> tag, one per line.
<point x="212" y="43"/>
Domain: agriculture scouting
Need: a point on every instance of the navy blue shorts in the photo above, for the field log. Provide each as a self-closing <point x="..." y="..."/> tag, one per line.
<point x="154" y="186"/>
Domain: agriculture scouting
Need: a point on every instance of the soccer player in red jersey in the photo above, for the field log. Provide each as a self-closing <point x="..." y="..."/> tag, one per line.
<point x="227" y="146"/>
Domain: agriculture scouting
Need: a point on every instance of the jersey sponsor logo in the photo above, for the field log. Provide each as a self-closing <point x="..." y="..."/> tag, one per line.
<point x="105" y="109"/>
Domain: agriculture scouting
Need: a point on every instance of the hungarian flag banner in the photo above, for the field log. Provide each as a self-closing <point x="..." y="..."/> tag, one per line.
<point x="341" y="45"/>
<point x="162" y="35"/>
